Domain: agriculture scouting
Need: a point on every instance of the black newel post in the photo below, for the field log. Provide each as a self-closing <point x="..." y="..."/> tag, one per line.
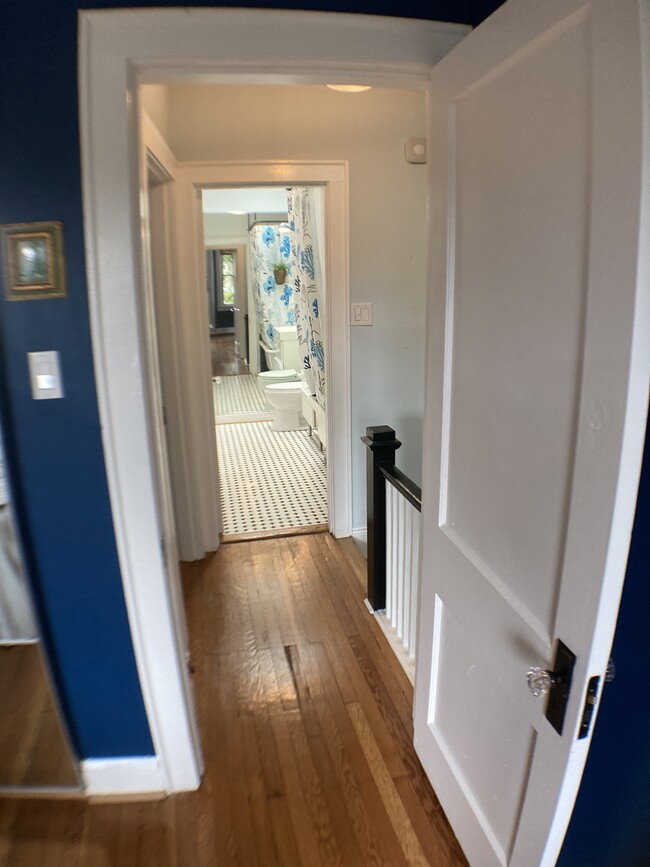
<point x="382" y="446"/>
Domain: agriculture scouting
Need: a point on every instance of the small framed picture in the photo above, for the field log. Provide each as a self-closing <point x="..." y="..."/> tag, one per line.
<point x="34" y="263"/>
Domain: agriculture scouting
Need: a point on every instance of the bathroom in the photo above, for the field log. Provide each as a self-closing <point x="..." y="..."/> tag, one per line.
<point x="265" y="279"/>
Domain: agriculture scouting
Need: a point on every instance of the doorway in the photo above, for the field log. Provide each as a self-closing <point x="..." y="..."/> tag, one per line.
<point x="266" y="293"/>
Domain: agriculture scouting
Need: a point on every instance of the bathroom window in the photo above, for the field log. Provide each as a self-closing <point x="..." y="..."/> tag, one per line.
<point x="226" y="276"/>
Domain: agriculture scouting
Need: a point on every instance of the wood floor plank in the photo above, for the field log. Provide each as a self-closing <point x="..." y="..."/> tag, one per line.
<point x="401" y="735"/>
<point x="325" y="760"/>
<point x="392" y="675"/>
<point x="336" y="717"/>
<point x="232" y="762"/>
<point x="305" y="718"/>
<point x="353" y="683"/>
<point x="46" y="838"/>
<point x="264" y="590"/>
<point x="193" y="834"/>
<point x="311" y="823"/>
<point x="434" y="833"/>
<point x="261" y="694"/>
<point x="394" y="806"/>
<point x="352" y="774"/>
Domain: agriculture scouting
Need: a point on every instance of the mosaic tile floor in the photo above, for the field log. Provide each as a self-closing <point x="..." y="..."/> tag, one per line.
<point x="238" y="398"/>
<point x="270" y="480"/>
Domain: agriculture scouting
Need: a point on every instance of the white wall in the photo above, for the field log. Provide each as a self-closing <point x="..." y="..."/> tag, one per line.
<point x="155" y="101"/>
<point x="387" y="223"/>
<point x="219" y="229"/>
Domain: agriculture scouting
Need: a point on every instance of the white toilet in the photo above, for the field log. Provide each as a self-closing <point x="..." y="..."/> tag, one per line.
<point x="283" y="363"/>
<point x="286" y="400"/>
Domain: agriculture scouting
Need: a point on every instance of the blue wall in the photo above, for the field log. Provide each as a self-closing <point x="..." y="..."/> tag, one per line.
<point x="55" y="450"/>
<point x="611" y="820"/>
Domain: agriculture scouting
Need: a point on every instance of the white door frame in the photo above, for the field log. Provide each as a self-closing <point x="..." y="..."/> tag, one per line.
<point x="118" y="51"/>
<point x="333" y="176"/>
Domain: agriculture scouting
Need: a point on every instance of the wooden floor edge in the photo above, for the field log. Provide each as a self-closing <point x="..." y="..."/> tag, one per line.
<point x="45" y="794"/>
<point x="255" y="535"/>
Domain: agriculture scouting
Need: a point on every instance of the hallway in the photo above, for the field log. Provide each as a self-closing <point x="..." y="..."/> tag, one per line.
<point x="222" y="356"/>
<point x="305" y="718"/>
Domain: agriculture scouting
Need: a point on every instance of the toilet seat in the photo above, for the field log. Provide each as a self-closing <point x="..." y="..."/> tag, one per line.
<point x="284" y="386"/>
<point x="273" y="376"/>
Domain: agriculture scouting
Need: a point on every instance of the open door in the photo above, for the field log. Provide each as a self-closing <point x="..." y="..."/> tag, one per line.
<point x="536" y="400"/>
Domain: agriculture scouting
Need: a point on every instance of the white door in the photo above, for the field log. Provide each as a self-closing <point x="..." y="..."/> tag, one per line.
<point x="536" y="396"/>
<point x="241" y="309"/>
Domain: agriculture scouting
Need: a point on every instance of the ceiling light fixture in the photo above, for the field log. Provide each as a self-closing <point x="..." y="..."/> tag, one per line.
<point x="238" y="213"/>
<point x="349" y="88"/>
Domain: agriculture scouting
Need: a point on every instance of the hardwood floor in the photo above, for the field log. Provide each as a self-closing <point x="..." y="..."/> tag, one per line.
<point x="33" y="748"/>
<point x="224" y="360"/>
<point x="306" y="723"/>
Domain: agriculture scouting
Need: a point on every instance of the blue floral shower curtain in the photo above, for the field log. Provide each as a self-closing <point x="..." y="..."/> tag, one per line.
<point x="274" y="303"/>
<point x="308" y="293"/>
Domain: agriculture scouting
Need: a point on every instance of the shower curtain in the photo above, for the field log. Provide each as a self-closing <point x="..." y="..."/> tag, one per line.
<point x="308" y="291"/>
<point x="270" y="244"/>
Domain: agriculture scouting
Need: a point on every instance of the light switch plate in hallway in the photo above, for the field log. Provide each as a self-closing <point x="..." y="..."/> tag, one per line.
<point x="361" y="313"/>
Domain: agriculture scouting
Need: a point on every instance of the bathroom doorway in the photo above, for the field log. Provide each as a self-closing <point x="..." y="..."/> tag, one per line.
<point x="266" y="288"/>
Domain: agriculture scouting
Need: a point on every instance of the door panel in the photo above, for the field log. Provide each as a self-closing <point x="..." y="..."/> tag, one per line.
<point x="534" y="410"/>
<point x="511" y="402"/>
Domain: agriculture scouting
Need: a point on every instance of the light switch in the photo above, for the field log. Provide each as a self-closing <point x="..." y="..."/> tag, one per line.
<point x="361" y="313"/>
<point x="45" y="375"/>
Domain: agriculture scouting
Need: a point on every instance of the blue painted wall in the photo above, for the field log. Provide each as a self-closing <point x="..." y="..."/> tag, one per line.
<point x="55" y="450"/>
<point x="610" y="825"/>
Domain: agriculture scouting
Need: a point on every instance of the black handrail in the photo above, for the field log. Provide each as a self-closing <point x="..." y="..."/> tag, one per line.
<point x="405" y="486"/>
<point x="380" y="463"/>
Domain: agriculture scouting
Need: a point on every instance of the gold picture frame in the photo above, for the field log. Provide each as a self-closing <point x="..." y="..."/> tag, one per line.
<point x="34" y="261"/>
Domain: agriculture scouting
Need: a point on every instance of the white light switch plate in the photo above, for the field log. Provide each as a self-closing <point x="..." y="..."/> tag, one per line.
<point x="45" y="375"/>
<point x="361" y="313"/>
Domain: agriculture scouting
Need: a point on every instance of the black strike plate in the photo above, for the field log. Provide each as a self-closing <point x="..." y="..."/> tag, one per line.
<point x="591" y="700"/>
<point x="558" y="697"/>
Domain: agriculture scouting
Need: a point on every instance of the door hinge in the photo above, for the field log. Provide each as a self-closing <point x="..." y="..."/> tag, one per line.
<point x="164" y="415"/>
<point x="163" y="551"/>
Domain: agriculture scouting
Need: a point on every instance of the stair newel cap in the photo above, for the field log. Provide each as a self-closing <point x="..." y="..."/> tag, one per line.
<point x="380" y="437"/>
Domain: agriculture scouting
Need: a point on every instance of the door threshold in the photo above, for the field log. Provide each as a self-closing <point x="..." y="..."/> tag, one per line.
<point x="254" y="535"/>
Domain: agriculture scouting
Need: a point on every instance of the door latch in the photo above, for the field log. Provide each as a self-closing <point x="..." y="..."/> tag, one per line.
<point x="591" y="699"/>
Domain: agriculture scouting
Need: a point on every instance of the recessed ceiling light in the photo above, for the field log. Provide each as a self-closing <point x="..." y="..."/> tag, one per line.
<point x="349" y="88"/>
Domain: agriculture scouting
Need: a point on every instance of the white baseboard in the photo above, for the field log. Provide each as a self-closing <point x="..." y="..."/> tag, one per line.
<point x="360" y="536"/>
<point x="128" y="776"/>
<point x="397" y="647"/>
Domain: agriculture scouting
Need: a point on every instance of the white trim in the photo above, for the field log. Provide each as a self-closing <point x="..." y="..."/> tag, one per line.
<point x="395" y="642"/>
<point x="137" y="775"/>
<point x="178" y="432"/>
<point x="250" y="47"/>
<point x="360" y="536"/>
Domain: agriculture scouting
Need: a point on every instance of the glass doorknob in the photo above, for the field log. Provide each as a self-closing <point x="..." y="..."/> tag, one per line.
<point x="540" y="680"/>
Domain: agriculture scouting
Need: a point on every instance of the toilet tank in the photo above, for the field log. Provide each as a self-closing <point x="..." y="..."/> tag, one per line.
<point x="288" y="343"/>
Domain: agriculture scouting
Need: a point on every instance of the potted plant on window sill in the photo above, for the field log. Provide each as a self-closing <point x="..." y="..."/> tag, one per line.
<point x="279" y="272"/>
